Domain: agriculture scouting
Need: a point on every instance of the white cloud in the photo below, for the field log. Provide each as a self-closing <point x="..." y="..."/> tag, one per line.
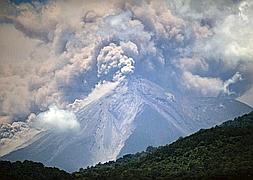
<point x="57" y="120"/>
<point x="235" y="78"/>
<point x="203" y="85"/>
<point x="209" y="86"/>
<point x="232" y="39"/>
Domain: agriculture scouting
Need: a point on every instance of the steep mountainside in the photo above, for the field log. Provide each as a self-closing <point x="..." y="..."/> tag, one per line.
<point x="125" y="119"/>
<point x="223" y="152"/>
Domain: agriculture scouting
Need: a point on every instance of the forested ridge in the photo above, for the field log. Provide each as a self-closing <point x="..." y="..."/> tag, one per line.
<point x="222" y="152"/>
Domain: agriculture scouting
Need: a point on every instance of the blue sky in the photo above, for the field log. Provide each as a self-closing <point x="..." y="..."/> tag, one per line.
<point x="26" y="1"/>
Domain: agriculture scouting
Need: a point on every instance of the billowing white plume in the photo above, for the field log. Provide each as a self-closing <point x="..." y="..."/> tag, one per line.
<point x="56" y="119"/>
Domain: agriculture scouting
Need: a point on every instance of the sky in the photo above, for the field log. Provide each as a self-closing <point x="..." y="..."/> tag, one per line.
<point x="56" y="52"/>
<point x="27" y="1"/>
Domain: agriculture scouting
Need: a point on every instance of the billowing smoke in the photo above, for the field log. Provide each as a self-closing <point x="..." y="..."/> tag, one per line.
<point x="14" y="135"/>
<point x="57" y="120"/>
<point x="199" y="48"/>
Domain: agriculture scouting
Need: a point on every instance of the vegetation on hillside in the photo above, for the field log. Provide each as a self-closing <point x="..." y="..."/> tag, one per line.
<point x="225" y="151"/>
<point x="222" y="152"/>
<point x="29" y="170"/>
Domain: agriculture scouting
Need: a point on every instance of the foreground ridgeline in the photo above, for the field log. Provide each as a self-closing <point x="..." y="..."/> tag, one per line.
<point x="126" y="118"/>
<point x="223" y="152"/>
<point x="219" y="152"/>
<point x="29" y="170"/>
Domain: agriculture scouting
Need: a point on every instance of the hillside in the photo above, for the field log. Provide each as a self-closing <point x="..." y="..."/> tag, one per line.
<point x="125" y="118"/>
<point x="223" y="152"/>
<point x="29" y="170"/>
<point x="219" y="152"/>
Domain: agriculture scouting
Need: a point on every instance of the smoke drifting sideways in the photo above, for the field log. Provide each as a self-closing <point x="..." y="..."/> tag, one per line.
<point x="69" y="48"/>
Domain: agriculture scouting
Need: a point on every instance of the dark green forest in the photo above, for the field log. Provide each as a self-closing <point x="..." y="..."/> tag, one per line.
<point x="222" y="152"/>
<point x="29" y="170"/>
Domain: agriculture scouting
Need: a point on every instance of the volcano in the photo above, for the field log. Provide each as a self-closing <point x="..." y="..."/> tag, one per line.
<point x="126" y="117"/>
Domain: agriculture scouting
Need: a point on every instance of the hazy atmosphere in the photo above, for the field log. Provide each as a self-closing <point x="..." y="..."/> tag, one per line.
<point x="63" y="61"/>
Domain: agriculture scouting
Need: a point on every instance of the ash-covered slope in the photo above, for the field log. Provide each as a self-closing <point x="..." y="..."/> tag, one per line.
<point x="127" y="118"/>
<point x="222" y="152"/>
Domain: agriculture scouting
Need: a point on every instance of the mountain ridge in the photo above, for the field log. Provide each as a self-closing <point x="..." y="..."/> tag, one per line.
<point x="220" y="152"/>
<point x="110" y="124"/>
